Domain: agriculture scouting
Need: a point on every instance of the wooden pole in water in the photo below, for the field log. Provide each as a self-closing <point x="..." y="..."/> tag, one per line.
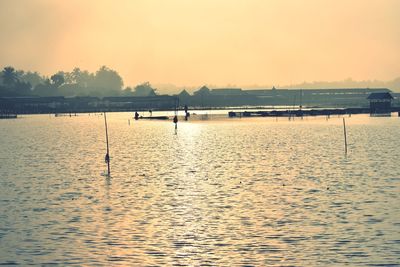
<point x="107" y="158"/>
<point x="345" y="136"/>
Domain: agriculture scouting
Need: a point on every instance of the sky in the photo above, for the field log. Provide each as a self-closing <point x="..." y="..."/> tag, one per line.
<point x="191" y="43"/>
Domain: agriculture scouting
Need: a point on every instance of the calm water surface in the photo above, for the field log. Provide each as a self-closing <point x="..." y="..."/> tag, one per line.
<point x="221" y="192"/>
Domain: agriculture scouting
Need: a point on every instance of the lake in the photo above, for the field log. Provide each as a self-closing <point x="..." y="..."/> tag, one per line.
<point x="219" y="192"/>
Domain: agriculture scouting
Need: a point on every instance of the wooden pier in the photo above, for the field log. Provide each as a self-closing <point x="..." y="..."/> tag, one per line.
<point x="302" y="113"/>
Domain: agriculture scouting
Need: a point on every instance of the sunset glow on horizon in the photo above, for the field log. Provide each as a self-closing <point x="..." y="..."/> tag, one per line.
<point x="200" y="132"/>
<point x="190" y="43"/>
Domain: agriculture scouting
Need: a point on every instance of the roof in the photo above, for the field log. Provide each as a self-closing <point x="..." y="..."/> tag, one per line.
<point x="183" y="93"/>
<point x="322" y="91"/>
<point x="33" y="99"/>
<point x="81" y="98"/>
<point x="138" y="98"/>
<point x="202" y="90"/>
<point x="380" y="96"/>
<point x="227" y="91"/>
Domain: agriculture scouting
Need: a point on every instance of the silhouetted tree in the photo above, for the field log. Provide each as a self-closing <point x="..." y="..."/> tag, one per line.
<point x="144" y="89"/>
<point x="23" y="88"/>
<point x="108" y="79"/>
<point x="75" y="74"/>
<point x="127" y="92"/>
<point x="13" y="83"/>
<point x="82" y="78"/>
<point x="67" y="77"/>
<point x="46" y="89"/>
<point x="33" y="78"/>
<point x="9" y="76"/>
<point x="57" y="79"/>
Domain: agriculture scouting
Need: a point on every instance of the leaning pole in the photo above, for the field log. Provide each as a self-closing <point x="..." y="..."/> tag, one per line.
<point x="107" y="158"/>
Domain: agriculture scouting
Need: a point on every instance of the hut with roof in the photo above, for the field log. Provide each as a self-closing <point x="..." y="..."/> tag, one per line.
<point x="380" y="102"/>
<point x="184" y="97"/>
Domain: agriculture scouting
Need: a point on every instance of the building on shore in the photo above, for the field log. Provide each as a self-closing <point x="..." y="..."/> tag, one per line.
<point x="209" y="98"/>
<point x="339" y="97"/>
<point x="26" y="105"/>
<point x="139" y="102"/>
<point x="380" y="103"/>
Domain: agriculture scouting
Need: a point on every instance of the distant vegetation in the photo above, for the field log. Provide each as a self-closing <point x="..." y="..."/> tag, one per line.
<point x="393" y="85"/>
<point x="107" y="82"/>
<point x="104" y="82"/>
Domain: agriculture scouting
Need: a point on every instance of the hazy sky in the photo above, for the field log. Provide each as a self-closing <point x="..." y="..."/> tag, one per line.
<point x="219" y="42"/>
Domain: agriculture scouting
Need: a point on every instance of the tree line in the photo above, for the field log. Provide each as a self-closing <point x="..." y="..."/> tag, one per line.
<point x="103" y="82"/>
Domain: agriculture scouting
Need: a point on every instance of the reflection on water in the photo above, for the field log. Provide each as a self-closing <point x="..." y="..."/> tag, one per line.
<point x="239" y="192"/>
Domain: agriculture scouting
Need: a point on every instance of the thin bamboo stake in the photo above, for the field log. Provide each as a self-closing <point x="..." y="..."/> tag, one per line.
<point x="107" y="158"/>
<point x="345" y="136"/>
<point x="176" y="114"/>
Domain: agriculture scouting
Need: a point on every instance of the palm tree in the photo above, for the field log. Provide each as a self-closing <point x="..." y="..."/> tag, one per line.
<point x="9" y="76"/>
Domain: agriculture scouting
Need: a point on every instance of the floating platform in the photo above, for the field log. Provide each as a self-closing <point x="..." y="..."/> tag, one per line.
<point x="8" y="116"/>
<point x="65" y="115"/>
<point x="300" y="113"/>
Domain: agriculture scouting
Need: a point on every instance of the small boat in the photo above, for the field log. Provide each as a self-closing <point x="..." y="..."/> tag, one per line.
<point x="154" y="118"/>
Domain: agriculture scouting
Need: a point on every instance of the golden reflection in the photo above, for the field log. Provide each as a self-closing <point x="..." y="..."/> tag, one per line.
<point x="220" y="192"/>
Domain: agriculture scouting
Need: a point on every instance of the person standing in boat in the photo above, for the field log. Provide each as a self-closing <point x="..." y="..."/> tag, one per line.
<point x="187" y="114"/>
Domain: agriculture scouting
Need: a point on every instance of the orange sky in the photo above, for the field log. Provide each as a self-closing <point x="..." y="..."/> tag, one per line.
<point x="220" y="42"/>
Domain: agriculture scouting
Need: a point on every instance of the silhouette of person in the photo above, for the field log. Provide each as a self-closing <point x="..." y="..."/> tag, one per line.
<point x="136" y="115"/>
<point x="187" y="115"/>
